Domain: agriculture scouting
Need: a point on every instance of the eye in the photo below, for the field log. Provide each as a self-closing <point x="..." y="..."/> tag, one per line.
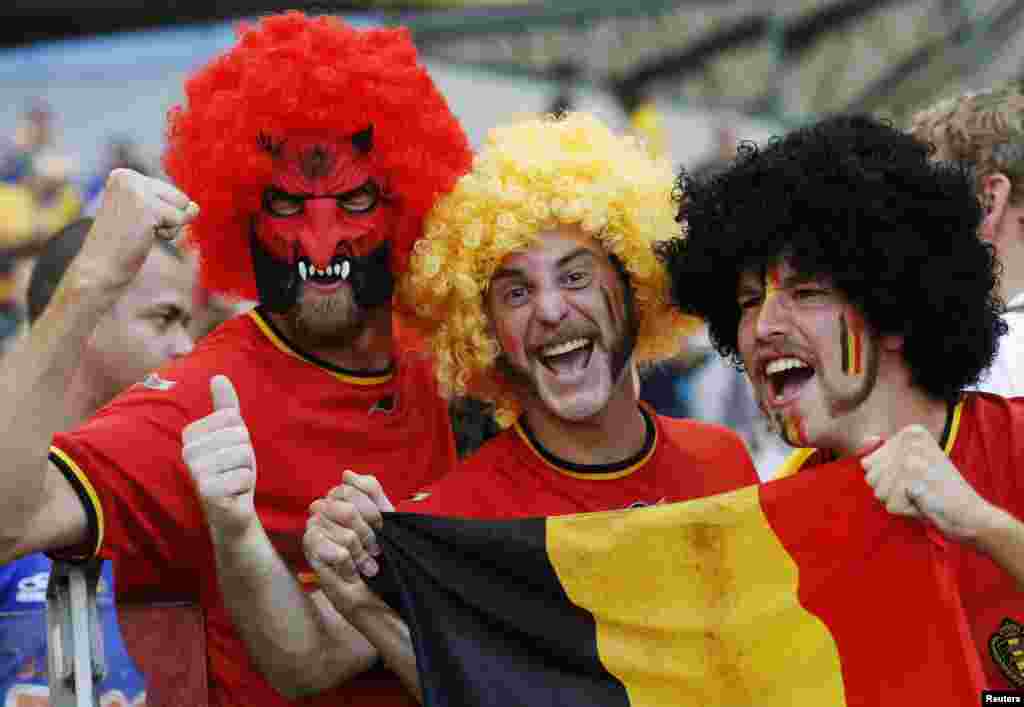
<point x="164" y="319"/>
<point x="360" y="200"/>
<point x="748" y="301"/>
<point x="281" y="203"/>
<point x="808" y="292"/>
<point x="515" y="296"/>
<point x="577" y="279"/>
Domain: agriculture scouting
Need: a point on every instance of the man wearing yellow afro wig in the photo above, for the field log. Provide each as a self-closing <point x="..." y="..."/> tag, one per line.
<point x="539" y="288"/>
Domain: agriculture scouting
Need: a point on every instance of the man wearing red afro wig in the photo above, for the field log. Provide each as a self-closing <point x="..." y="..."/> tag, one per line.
<point x="314" y="151"/>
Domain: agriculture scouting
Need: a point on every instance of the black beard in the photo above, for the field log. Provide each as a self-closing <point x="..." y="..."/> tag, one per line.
<point x="278" y="282"/>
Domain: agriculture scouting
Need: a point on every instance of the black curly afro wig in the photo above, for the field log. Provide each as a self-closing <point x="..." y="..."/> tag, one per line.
<point x="859" y="202"/>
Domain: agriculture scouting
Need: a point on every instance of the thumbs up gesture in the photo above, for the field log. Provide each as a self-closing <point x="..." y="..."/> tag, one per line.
<point x="221" y="460"/>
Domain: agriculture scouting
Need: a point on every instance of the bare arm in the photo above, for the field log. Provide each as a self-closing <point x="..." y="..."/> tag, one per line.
<point x="340" y="545"/>
<point x="298" y="641"/>
<point x="41" y="510"/>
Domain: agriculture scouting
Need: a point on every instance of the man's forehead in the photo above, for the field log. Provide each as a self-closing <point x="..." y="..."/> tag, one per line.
<point x="311" y="162"/>
<point x="555" y="247"/>
<point x="780" y="271"/>
<point x="164" y="276"/>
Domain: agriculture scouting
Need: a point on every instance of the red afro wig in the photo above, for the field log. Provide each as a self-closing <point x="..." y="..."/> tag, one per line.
<point x="292" y="73"/>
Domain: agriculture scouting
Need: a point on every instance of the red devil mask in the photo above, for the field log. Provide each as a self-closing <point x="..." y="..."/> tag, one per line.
<point x="326" y="214"/>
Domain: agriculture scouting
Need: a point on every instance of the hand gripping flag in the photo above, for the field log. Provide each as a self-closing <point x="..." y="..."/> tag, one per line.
<point x="801" y="592"/>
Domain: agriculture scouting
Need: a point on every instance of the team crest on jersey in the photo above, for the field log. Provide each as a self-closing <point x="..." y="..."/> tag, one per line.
<point x="1007" y="648"/>
<point x="154" y="382"/>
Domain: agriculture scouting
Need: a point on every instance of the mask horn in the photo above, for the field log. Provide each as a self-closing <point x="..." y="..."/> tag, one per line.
<point x="363" y="140"/>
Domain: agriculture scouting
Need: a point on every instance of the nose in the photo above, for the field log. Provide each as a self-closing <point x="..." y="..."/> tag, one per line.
<point x="322" y="232"/>
<point x="551" y="306"/>
<point x="772" y="315"/>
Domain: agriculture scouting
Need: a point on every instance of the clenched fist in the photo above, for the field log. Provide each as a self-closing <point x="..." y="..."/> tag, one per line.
<point x="220" y="457"/>
<point x="340" y="543"/>
<point x="912" y="476"/>
<point x="135" y="210"/>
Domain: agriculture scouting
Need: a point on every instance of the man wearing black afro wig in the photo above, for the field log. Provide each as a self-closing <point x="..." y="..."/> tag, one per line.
<point x="842" y="270"/>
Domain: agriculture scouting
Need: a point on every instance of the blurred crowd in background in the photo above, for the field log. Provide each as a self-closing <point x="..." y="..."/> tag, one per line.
<point x="42" y="190"/>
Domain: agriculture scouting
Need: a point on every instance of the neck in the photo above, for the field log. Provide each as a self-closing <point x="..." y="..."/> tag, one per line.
<point x="1010" y="251"/>
<point x="82" y="399"/>
<point x="892" y="406"/>
<point x="370" y="350"/>
<point x="614" y="434"/>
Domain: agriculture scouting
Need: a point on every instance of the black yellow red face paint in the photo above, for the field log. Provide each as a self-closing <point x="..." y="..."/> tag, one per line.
<point x="793" y="429"/>
<point x="772" y="285"/>
<point x="851" y="343"/>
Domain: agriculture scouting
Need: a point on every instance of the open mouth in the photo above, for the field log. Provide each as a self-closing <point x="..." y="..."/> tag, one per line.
<point x="567" y="356"/>
<point x="337" y="271"/>
<point x="786" y="378"/>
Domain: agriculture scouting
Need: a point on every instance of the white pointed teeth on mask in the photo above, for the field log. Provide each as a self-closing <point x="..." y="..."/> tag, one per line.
<point x="338" y="269"/>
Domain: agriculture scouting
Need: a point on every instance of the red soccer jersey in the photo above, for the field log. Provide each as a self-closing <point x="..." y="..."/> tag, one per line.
<point x="513" y="476"/>
<point x="985" y="440"/>
<point x="308" y="420"/>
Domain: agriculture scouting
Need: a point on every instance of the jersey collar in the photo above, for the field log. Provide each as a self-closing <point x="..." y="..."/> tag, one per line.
<point x="593" y="472"/>
<point x="281" y="342"/>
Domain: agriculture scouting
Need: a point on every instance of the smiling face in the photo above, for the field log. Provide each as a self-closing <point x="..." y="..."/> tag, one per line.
<point x="560" y="313"/>
<point x="808" y="353"/>
<point x="322" y="234"/>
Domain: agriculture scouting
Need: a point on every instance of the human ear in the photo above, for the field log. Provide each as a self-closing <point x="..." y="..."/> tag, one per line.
<point x="995" y="199"/>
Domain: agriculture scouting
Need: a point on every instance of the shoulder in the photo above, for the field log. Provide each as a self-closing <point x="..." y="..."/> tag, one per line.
<point x="988" y="414"/>
<point x="472" y="485"/>
<point x="988" y="446"/>
<point x="415" y="367"/>
<point x="702" y="438"/>
<point x="992" y="421"/>
<point x="709" y="446"/>
<point x="182" y="386"/>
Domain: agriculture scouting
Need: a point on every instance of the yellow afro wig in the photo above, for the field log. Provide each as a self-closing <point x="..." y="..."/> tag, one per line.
<point x="530" y="177"/>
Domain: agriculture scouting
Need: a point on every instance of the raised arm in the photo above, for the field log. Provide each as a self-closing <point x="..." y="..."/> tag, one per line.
<point x="300" y="643"/>
<point x="41" y="511"/>
<point x="340" y="545"/>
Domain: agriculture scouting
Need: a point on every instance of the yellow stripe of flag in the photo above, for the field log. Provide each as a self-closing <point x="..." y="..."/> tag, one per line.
<point x="707" y="571"/>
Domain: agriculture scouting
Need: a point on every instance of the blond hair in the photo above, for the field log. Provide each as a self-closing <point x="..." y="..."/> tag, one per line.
<point x="984" y="129"/>
<point x="534" y="176"/>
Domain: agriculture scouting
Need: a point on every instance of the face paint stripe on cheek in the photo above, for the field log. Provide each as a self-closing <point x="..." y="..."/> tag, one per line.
<point x="793" y="430"/>
<point x="851" y="343"/>
<point x="772" y="283"/>
<point x="844" y="343"/>
<point x="857" y="329"/>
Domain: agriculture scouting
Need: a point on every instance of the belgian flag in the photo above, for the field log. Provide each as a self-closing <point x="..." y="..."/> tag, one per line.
<point x="801" y="592"/>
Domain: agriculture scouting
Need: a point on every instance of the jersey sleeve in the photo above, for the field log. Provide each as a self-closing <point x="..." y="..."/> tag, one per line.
<point x="477" y="488"/>
<point x="125" y="465"/>
<point x="995" y="455"/>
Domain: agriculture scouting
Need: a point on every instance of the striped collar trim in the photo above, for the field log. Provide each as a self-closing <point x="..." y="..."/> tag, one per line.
<point x="593" y="472"/>
<point x="266" y="326"/>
